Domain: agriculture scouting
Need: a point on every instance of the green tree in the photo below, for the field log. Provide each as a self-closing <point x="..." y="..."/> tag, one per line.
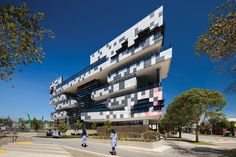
<point x="6" y="122"/>
<point x="50" y="124"/>
<point x="63" y="128"/>
<point x="36" y="124"/>
<point x="94" y="126"/>
<point x="218" y="121"/>
<point x="166" y="124"/>
<point x="199" y="102"/>
<point x="219" y="42"/>
<point x="21" y="35"/>
<point x="232" y="127"/>
<point x="108" y="126"/>
<point x="78" y="124"/>
<point x="22" y="124"/>
<point x="178" y="114"/>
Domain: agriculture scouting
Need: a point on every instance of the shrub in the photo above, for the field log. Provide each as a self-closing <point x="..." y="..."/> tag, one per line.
<point x="63" y="128"/>
<point x="151" y="135"/>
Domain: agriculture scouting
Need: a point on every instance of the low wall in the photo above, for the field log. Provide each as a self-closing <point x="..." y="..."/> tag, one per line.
<point x="31" y="134"/>
<point x="75" y="132"/>
<point x="128" y="128"/>
<point x="131" y="144"/>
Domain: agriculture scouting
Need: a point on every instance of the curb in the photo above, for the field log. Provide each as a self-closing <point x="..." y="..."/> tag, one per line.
<point x="89" y="152"/>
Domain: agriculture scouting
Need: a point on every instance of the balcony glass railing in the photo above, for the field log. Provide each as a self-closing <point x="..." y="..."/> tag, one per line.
<point x="142" y="59"/>
<point x="111" y="76"/>
<point x="88" y="68"/>
<point x="130" y="50"/>
<point x="55" y="115"/>
<point x="139" y="89"/>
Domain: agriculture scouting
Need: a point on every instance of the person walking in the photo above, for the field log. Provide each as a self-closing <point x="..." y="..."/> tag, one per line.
<point x="84" y="135"/>
<point x="113" y="142"/>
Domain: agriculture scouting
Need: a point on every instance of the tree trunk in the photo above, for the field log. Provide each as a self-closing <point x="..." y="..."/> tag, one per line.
<point x="197" y="130"/>
<point x="180" y="133"/>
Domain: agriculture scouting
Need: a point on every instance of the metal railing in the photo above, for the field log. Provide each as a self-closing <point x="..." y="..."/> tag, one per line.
<point x="83" y="71"/>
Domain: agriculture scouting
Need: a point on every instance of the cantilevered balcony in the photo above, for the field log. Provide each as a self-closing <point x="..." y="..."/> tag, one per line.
<point x="71" y="103"/>
<point x="114" y="89"/>
<point x="59" y="115"/>
<point x="149" y="45"/>
<point x="155" y="60"/>
<point x="58" y="99"/>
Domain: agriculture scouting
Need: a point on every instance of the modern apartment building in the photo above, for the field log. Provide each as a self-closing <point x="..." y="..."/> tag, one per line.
<point x="123" y="81"/>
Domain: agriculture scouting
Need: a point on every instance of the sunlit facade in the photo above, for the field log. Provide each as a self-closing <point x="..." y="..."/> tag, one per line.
<point x="123" y="82"/>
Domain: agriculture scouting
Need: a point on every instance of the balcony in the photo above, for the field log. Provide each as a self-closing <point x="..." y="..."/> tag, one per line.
<point x="71" y="103"/>
<point x="84" y="71"/>
<point x="122" y="115"/>
<point x="103" y="116"/>
<point x="152" y="42"/>
<point x="142" y="64"/>
<point x="59" y="115"/>
<point x="114" y="89"/>
<point x="152" y="92"/>
<point x="58" y="99"/>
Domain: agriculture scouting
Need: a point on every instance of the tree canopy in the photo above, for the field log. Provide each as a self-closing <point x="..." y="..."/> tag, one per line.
<point x="218" y="120"/>
<point x="177" y="115"/>
<point x="193" y="106"/>
<point x="63" y="128"/>
<point x="108" y="126"/>
<point x="21" y="35"/>
<point x="37" y="124"/>
<point x="6" y="122"/>
<point x="78" y="124"/>
<point x="219" y="42"/>
<point x="94" y="126"/>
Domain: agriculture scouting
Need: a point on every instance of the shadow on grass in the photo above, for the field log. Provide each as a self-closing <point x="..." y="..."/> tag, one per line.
<point x="190" y="141"/>
<point x="196" y="150"/>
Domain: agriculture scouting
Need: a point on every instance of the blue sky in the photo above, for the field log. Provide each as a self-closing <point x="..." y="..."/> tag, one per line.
<point x="83" y="26"/>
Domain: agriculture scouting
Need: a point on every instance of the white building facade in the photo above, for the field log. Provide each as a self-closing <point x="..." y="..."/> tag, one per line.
<point x="122" y="82"/>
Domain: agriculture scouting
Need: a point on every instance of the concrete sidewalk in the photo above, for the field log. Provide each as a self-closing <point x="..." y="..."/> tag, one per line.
<point x="165" y="148"/>
<point x="99" y="147"/>
<point x="223" y="142"/>
<point x="29" y="149"/>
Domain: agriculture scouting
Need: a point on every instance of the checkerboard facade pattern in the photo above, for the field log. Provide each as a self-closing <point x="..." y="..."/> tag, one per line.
<point x="123" y="80"/>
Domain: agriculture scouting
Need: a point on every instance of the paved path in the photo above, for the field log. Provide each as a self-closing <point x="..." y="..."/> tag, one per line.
<point x="49" y="147"/>
<point x="224" y="142"/>
<point x="104" y="148"/>
<point x="165" y="148"/>
<point x="29" y="149"/>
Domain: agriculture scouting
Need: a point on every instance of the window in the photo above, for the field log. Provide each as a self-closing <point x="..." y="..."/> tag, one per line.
<point x="121" y="39"/>
<point x="152" y="15"/>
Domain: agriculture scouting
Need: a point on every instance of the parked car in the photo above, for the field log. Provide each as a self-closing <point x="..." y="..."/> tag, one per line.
<point x="49" y="132"/>
<point x="56" y="134"/>
<point x="228" y="134"/>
